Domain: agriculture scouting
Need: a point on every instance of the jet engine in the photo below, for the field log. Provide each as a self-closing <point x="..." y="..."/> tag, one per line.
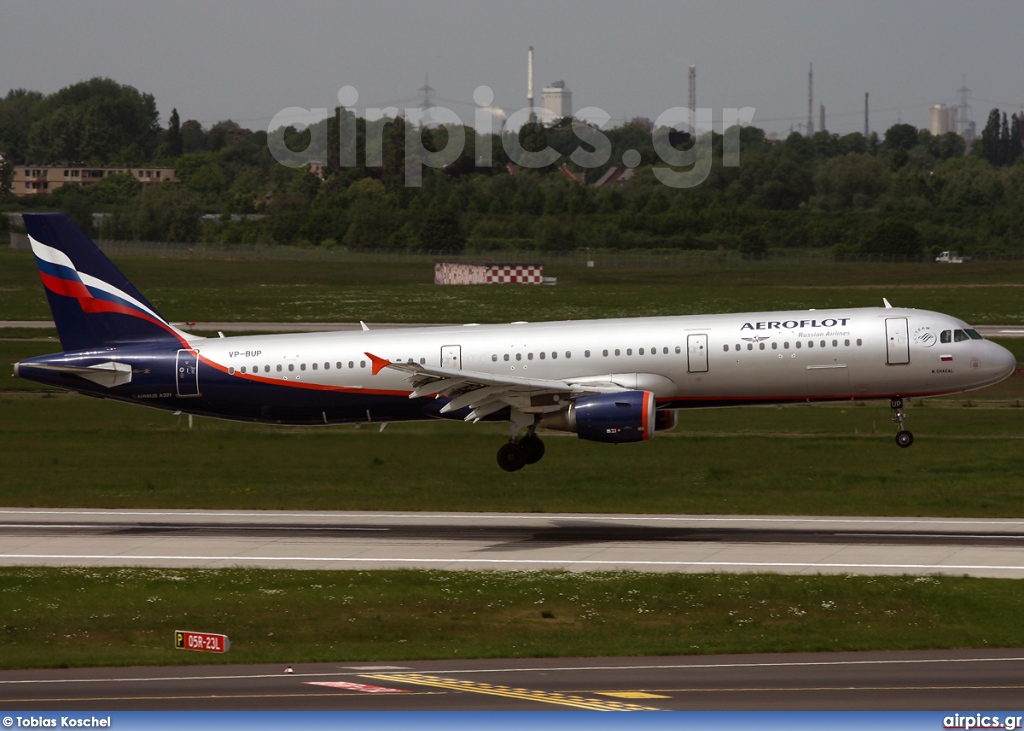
<point x="615" y="418"/>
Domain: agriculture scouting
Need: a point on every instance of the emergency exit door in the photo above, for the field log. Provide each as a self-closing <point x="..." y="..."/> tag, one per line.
<point x="897" y="341"/>
<point x="697" y="353"/>
<point x="451" y="357"/>
<point x="186" y="372"/>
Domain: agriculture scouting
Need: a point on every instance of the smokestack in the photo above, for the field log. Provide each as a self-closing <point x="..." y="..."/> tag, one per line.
<point x="693" y="97"/>
<point x="810" y="101"/>
<point x="821" y="118"/>
<point x="865" y="114"/>
<point x="529" y="78"/>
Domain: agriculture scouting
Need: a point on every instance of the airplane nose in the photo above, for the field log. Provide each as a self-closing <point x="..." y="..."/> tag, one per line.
<point x="1007" y="361"/>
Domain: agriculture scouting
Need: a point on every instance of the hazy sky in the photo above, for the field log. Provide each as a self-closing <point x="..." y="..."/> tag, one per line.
<point x="248" y="60"/>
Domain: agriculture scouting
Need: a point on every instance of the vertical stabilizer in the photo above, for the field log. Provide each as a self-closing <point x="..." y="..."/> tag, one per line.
<point x="93" y="304"/>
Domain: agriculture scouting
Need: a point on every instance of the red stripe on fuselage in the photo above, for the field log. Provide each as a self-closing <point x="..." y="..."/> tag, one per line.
<point x="299" y="384"/>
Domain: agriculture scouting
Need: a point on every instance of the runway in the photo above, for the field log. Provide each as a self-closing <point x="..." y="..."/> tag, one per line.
<point x="932" y="680"/>
<point x="574" y="542"/>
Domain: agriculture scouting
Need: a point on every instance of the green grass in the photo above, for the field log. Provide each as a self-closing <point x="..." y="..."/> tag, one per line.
<point x="52" y="617"/>
<point x="295" y="291"/>
<point x="65" y="450"/>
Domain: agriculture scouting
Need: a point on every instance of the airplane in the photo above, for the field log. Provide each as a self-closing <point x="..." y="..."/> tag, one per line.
<point x="613" y="380"/>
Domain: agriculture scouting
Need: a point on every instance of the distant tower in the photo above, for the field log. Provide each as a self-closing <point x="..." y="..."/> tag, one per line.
<point x="963" y="123"/>
<point x="821" y="118"/>
<point x="693" y="92"/>
<point x="865" y="114"/>
<point x="557" y="99"/>
<point x="810" y="101"/>
<point x="427" y="90"/>
<point x="529" y="78"/>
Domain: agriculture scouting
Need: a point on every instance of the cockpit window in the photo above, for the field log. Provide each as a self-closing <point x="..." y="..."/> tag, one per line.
<point x="946" y="337"/>
<point x="974" y="334"/>
<point x="960" y="336"/>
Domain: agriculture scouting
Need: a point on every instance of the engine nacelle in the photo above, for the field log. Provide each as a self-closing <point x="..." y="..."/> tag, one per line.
<point x="666" y="420"/>
<point x="615" y="418"/>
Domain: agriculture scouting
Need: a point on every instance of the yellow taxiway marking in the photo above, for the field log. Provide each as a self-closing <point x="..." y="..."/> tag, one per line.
<point x="540" y="696"/>
<point x="635" y="694"/>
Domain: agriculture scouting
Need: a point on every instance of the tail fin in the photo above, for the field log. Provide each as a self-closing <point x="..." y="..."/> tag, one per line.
<point x="93" y="303"/>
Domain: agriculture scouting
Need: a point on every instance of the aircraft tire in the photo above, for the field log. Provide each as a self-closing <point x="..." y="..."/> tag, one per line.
<point x="533" y="448"/>
<point x="511" y="457"/>
<point x="904" y="439"/>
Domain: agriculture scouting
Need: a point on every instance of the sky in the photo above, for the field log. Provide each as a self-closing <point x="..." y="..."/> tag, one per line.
<point x="249" y="60"/>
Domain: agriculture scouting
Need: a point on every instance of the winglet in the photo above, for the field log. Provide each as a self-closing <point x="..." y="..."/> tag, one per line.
<point x="377" y="363"/>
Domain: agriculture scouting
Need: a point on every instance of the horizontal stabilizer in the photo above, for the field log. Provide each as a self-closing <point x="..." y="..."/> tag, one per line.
<point x="107" y="374"/>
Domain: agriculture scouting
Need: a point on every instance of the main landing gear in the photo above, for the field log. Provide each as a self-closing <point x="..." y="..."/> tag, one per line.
<point x="517" y="453"/>
<point x="903" y="437"/>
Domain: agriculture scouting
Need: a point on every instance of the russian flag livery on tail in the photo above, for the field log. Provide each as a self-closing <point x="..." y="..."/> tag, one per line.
<point x="93" y="304"/>
<point x="614" y="381"/>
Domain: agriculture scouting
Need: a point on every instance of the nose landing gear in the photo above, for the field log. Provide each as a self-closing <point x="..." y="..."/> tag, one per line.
<point x="903" y="437"/>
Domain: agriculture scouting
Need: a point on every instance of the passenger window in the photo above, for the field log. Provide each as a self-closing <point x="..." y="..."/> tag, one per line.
<point x="568" y="354"/>
<point x="279" y="368"/>
<point x="859" y="342"/>
<point x="543" y="355"/>
<point x="519" y="356"/>
<point x="785" y="345"/>
<point x="823" y="343"/>
<point x="775" y="346"/>
<point x="665" y="351"/>
<point x="351" y="364"/>
<point x="761" y="346"/>
<point x="847" y="342"/>
<point x="586" y="353"/>
<point x="604" y="353"/>
<point x="327" y="366"/>
<point x="506" y="356"/>
<point x="243" y="369"/>
<point x="629" y="351"/>
<point x="554" y="356"/>
<point x="617" y="351"/>
<point x="315" y="365"/>
<point x="810" y="344"/>
<point x="946" y="336"/>
<point x="302" y="367"/>
<point x="725" y="348"/>
<point x="423" y="361"/>
<point x="291" y="366"/>
<point x="529" y="356"/>
<point x="231" y="370"/>
<point x="750" y="346"/>
<point x="678" y="350"/>
<point x="641" y="352"/>
<point x="835" y="343"/>
<point x="494" y="358"/>
<point x="798" y="345"/>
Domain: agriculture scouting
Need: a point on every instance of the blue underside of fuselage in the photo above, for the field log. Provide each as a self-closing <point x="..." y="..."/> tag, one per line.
<point x="235" y="397"/>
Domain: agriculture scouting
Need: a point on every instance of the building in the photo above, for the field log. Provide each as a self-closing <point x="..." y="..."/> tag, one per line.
<point x="557" y="99"/>
<point x="44" y="179"/>
<point x="457" y="272"/>
<point x="943" y="119"/>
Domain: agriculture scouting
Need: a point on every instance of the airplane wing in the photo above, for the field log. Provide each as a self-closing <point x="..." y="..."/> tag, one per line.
<point x="486" y="393"/>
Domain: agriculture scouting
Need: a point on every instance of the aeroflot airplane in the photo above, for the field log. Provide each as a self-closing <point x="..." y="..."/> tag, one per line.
<point x="606" y="380"/>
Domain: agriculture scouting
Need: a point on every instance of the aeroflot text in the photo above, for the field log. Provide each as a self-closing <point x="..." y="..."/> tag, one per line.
<point x="793" y="324"/>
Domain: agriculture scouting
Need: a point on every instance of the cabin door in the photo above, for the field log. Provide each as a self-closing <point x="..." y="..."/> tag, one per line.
<point x="897" y="342"/>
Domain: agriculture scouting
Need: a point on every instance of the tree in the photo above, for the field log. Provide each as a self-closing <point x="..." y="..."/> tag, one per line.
<point x="93" y="121"/>
<point x="893" y="238"/>
<point x="16" y="110"/>
<point x="175" y="144"/>
<point x="901" y="137"/>
<point x="850" y="182"/>
<point x="440" y="230"/>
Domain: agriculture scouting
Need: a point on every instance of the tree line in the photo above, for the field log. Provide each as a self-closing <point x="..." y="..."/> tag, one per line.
<point x="904" y="193"/>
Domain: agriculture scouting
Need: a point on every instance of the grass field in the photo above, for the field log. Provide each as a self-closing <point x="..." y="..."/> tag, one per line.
<point x="293" y="291"/>
<point x="62" y="450"/>
<point x="87" y="616"/>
